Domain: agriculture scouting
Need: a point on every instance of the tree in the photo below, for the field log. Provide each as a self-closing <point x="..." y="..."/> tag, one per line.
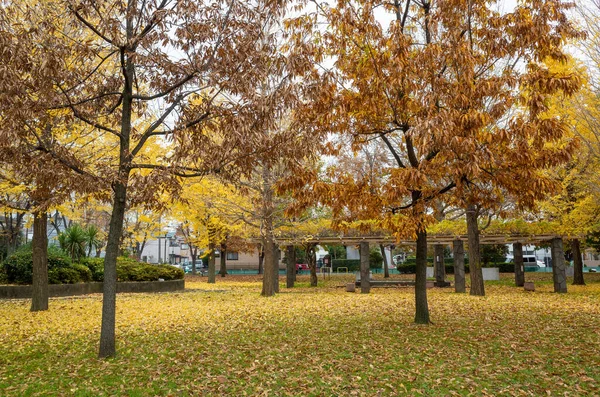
<point x="130" y="60"/>
<point x="435" y="86"/>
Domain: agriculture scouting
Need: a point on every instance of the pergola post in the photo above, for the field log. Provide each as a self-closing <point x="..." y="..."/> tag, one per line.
<point x="290" y="267"/>
<point x="365" y="282"/>
<point x="558" y="266"/>
<point x="518" y="261"/>
<point x="458" y="250"/>
<point x="439" y="267"/>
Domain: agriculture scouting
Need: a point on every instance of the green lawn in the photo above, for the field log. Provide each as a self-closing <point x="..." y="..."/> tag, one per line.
<point x="225" y="339"/>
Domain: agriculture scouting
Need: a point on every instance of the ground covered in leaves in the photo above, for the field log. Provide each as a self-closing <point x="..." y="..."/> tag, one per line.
<point x="224" y="339"/>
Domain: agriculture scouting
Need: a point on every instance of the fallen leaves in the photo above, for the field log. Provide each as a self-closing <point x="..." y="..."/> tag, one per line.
<point x="224" y="339"/>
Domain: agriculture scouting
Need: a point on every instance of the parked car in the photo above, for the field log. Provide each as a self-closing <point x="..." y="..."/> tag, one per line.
<point x="301" y="266"/>
<point x="528" y="260"/>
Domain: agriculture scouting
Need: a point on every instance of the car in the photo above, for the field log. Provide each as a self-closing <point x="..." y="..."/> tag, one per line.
<point x="528" y="260"/>
<point x="301" y="266"/>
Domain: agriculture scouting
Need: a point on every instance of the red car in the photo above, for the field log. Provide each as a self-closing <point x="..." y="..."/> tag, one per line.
<point x="301" y="266"/>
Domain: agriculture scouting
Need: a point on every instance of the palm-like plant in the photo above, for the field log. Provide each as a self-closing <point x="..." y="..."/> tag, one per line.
<point x="73" y="241"/>
<point x="93" y="239"/>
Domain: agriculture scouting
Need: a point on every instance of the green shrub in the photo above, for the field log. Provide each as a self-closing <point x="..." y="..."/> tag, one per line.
<point x="85" y="274"/>
<point x="63" y="275"/>
<point x="131" y="270"/>
<point x="18" y="267"/>
<point x="96" y="266"/>
<point x="353" y="265"/>
<point x="375" y="259"/>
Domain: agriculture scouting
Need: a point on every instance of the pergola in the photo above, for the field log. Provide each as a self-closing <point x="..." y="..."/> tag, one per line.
<point x="431" y="239"/>
<point x="439" y="241"/>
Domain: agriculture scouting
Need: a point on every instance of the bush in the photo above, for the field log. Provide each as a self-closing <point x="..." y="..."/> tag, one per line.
<point x="375" y="259"/>
<point x="96" y="267"/>
<point x="353" y="265"/>
<point x="63" y="275"/>
<point x="85" y="274"/>
<point x="131" y="270"/>
<point x="18" y="267"/>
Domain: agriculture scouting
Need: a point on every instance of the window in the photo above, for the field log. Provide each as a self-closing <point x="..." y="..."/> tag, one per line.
<point x="232" y="256"/>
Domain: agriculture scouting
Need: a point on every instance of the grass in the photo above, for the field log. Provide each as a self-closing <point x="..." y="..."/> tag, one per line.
<point x="224" y="339"/>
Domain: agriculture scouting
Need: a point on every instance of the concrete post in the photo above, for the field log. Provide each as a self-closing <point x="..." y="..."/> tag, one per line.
<point x="518" y="260"/>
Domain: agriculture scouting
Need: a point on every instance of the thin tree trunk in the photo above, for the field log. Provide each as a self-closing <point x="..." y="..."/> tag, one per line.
<point x="386" y="267"/>
<point x="290" y="268"/>
<point x="475" y="272"/>
<point x="194" y="253"/>
<point x="312" y="264"/>
<point x="518" y="261"/>
<point x="276" y="258"/>
<point x="39" y="301"/>
<point x="159" y="253"/>
<point x="577" y="263"/>
<point x="109" y="297"/>
<point x="365" y="282"/>
<point x="421" y="306"/>
<point x="459" y="266"/>
<point x="261" y="259"/>
<point x="211" y="264"/>
<point x="223" y="269"/>
<point x="558" y="266"/>
<point x="268" y="287"/>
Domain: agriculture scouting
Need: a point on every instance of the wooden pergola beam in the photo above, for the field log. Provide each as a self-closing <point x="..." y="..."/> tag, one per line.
<point x="431" y="239"/>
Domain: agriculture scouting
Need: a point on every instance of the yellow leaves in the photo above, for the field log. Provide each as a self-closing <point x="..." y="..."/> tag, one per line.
<point x="293" y="344"/>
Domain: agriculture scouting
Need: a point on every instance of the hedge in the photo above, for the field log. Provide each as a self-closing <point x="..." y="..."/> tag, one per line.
<point x="411" y="268"/>
<point x="353" y="265"/>
<point x="18" y="269"/>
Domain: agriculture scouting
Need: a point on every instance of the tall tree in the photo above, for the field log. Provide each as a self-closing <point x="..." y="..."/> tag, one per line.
<point x="436" y="85"/>
<point x="196" y="62"/>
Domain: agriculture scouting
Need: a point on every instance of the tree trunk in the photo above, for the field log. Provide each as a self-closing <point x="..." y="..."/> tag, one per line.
<point x="223" y="270"/>
<point x="109" y="297"/>
<point x="386" y="267"/>
<point x="439" y="266"/>
<point x="194" y="253"/>
<point x="211" y="263"/>
<point x="577" y="263"/>
<point x="475" y="272"/>
<point x="39" y="301"/>
<point x="365" y="282"/>
<point x="518" y="261"/>
<point x="276" y="258"/>
<point x="312" y="264"/>
<point x="268" y="287"/>
<point x="159" y="253"/>
<point x="421" y="307"/>
<point x="261" y="259"/>
<point x="459" y="266"/>
<point x="269" y="277"/>
<point x="290" y="267"/>
<point x="558" y="266"/>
